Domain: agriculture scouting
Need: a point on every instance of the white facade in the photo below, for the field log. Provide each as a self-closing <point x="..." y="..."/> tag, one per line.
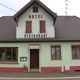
<point x="20" y="31"/>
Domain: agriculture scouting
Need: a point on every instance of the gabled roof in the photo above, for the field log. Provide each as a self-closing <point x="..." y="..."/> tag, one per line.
<point x="7" y="28"/>
<point x="20" y="12"/>
<point x="67" y="27"/>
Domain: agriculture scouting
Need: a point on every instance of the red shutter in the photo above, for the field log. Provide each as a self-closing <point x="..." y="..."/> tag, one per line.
<point x="28" y="26"/>
<point x="42" y="26"/>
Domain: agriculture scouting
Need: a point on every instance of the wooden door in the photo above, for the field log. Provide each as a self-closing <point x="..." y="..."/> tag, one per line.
<point x="34" y="59"/>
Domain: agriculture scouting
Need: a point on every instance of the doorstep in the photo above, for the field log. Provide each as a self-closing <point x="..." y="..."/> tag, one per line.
<point x="34" y="70"/>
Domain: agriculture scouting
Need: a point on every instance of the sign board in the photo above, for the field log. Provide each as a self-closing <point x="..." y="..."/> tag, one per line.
<point x="23" y="58"/>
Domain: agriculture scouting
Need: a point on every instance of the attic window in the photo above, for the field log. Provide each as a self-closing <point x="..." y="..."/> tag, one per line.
<point x="35" y="9"/>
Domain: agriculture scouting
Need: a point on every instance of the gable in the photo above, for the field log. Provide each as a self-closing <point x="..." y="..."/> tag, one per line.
<point x="20" y="12"/>
<point x="35" y="17"/>
<point x="29" y="14"/>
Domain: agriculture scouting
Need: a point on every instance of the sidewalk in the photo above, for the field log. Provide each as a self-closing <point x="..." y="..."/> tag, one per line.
<point x="39" y="75"/>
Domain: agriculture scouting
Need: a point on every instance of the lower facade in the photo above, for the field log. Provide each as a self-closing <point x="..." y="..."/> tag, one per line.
<point x="40" y="57"/>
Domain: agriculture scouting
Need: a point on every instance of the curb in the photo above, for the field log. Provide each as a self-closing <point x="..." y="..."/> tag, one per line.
<point x="52" y="78"/>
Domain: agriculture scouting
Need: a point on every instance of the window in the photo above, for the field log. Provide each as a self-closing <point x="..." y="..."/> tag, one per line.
<point x="28" y="26"/>
<point x="35" y="9"/>
<point x="55" y="53"/>
<point x="8" y="54"/>
<point x="42" y="26"/>
<point x="75" y="52"/>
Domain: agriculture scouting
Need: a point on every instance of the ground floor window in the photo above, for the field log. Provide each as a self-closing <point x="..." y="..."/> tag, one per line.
<point x="55" y="52"/>
<point x="75" y="52"/>
<point x="9" y="54"/>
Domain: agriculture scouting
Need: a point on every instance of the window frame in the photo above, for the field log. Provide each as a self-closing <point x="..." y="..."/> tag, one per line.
<point x="5" y="60"/>
<point x="56" y="55"/>
<point x="77" y="56"/>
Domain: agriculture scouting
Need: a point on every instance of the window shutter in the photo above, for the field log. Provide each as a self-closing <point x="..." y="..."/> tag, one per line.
<point x="42" y="26"/>
<point x="28" y="26"/>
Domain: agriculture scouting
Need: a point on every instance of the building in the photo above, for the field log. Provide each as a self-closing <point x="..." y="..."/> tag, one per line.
<point x="36" y="39"/>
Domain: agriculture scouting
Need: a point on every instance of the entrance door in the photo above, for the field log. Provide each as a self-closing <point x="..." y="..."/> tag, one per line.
<point x="34" y="59"/>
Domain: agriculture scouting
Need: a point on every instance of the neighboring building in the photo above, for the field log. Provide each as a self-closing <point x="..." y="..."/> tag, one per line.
<point x="36" y="39"/>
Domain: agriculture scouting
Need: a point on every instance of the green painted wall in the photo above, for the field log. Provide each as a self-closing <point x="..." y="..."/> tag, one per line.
<point x="45" y="54"/>
<point x="22" y="52"/>
<point x="66" y="54"/>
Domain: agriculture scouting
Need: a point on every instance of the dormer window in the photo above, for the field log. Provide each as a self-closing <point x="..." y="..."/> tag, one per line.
<point x="35" y="9"/>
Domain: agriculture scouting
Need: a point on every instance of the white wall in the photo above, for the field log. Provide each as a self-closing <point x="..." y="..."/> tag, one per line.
<point x="35" y="23"/>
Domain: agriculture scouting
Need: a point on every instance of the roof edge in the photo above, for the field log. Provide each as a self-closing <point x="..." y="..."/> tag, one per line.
<point x="22" y="10"/>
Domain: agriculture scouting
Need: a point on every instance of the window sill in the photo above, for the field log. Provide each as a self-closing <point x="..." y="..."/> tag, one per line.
<point x="75" y="59"/>
<point x="8" y="62"/>
<point x="56" y="59"/>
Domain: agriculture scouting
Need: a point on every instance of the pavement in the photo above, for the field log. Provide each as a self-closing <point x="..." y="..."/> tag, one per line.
<point x="39" y="75"/>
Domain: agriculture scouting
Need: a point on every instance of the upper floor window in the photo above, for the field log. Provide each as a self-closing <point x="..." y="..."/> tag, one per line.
<point x="35" y="9"/>
<point x="42" y="26"/>
<point x="75" y="52"/>
<point x="28" y="26"/>
<point x="55" y="52"/>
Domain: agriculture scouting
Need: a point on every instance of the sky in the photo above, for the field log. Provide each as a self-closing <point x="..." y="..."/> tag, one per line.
<point x="57" y="6"/>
